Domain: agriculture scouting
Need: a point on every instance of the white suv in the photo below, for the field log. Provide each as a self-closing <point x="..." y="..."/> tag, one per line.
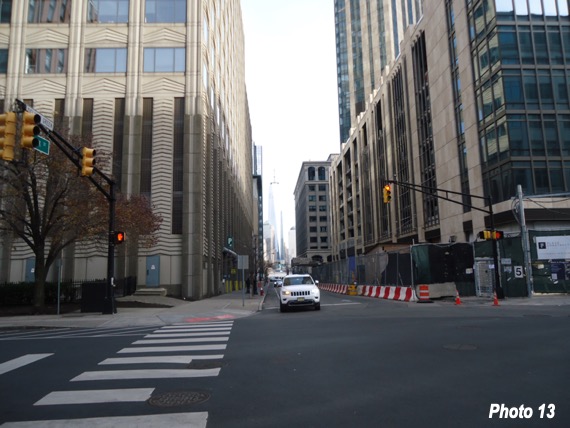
<point x="298" y="290"/>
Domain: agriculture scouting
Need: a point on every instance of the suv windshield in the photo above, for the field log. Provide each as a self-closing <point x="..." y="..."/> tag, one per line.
<point x="298" y="280"/>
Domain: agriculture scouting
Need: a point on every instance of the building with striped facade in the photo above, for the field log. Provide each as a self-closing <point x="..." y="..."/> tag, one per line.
<point x="160" y="86"/>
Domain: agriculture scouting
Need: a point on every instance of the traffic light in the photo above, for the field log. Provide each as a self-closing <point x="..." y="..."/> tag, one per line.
<point x="30" y="130"/>
<point x="87" y="161"/>
<point x="387" y="193"/>
<point x="491" y="234"/>
<point x="7" y="135"/>
<point x="118" y="237"/>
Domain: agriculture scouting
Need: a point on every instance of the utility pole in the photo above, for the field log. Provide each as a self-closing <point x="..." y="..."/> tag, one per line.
<point x="525" y="243"/>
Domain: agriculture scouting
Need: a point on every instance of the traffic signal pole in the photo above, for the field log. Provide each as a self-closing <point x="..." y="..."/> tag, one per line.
<point x="72" y="154"/>
<point x="433" y="191"/>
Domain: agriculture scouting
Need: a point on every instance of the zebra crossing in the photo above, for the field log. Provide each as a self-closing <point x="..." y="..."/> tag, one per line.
<point x="72" y="333"/>
<point x="144" y="359"/>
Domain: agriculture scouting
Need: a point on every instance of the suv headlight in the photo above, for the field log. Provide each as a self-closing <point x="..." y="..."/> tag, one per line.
<point x="315" y="291"/>
<point x="285" y="292"/>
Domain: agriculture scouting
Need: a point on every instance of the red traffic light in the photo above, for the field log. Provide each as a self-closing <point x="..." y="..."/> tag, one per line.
<point x="119" y="237"/>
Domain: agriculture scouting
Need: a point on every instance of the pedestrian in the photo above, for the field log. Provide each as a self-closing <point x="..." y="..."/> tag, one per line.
<point x="247" y="284"/>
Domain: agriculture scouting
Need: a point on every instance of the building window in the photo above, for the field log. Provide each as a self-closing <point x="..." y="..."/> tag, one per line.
<point x="165" y="11"/>
<point x="312" y="208"/>
<point x="146" y="148"/>
<point x="164" y="60"/>
<point x="44" y="61"/>
<point x="108" y="11"/>
<point x="312" y="219"/>
<point x="106" y="60"/>
<point x="311" y="172"/>
<point x="3" y="61"/>
<point x="322" y="173"/>
<point x="322" y="208"/>
<point x="178" y="167"/>
<point x="322" y="198"/>
<point x="5" y="11"/>
<point x="42" y="11"/>
<point x="323" y="187"/>
<point x="119" y="129"/>
<point x="312" y="198"/>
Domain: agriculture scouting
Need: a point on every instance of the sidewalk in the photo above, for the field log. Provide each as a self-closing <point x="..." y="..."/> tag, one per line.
<point x="224" y="307"/>
<point x="535" y="300"/>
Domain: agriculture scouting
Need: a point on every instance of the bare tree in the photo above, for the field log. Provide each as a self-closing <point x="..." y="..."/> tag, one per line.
<point x="49" y="206"/>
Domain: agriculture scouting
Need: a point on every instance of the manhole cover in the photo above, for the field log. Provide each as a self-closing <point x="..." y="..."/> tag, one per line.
<point x="460" y="347"/>
<point x="178" y="398"/>
<point x="204" y="364"/>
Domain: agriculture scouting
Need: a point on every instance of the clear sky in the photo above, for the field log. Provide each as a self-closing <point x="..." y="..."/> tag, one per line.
<point x="290" y="65"/>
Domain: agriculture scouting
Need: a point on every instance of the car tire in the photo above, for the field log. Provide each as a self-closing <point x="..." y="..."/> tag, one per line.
<point x="317" y="306"/>
<point x="282" y="307"/>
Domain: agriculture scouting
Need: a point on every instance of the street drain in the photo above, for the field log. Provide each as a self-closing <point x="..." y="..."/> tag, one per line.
<point x="178" y="398"/>
<point x="460" y="347"/>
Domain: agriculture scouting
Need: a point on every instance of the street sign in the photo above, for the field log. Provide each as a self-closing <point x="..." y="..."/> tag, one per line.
<point x="43" y="145"/>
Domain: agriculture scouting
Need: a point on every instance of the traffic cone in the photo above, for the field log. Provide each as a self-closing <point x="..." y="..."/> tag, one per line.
<point x="457" y="299"/>
<point x="495" y="300"/>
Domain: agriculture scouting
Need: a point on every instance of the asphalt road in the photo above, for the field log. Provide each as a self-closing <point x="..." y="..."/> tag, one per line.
<point x="359" y="362"/>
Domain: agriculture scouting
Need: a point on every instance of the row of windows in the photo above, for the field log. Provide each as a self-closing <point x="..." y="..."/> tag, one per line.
<point x="535" y="178"/>
<point x="531" y="135"/>
<point x="313" y="219"/>
<point x="104" y="11"/>
<point x="313" y="198"/>
<point x="523" y="90"/>
<point x="322" y="208"/>
<point x="102" y="60"/>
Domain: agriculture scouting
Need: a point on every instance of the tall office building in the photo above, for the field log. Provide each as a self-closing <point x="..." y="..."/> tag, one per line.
<point x="368" y="35"/>
<point x="470" y="96"/>
<point x="160" y="86"/>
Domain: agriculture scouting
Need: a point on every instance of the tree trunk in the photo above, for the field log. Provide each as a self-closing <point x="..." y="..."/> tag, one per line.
<point x="40" y="285"/>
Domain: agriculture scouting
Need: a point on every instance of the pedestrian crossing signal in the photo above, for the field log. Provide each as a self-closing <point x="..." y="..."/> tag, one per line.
<point x="119" y="238"/>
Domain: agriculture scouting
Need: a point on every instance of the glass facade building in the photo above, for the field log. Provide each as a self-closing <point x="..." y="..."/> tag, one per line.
<point x="477" y="106"/>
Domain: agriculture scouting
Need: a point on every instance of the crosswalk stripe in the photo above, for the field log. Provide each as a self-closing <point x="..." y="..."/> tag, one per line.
<point x="190" y="330"/>
<point x="182" y="334"/>
<point x="175" y="359"/>
<point x="181" y="340"/>
<point x="146" y="374"/>
<point x="199" y="325"/>
<point x="172" y="349"/>
<point x="170" y="420"/>
<point x="95" y="396"/>
<point x="24" y="360"/>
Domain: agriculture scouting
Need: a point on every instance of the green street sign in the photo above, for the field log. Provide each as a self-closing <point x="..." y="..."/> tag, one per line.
<point x="43" y="145"/>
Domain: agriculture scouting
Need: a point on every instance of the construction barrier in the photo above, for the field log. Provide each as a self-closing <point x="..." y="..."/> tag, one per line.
<point x="405" y="294"/>
<point x="424" y="294"/>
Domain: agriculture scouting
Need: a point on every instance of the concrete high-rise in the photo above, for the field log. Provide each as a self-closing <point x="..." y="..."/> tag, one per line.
<point x="160" y="86"/>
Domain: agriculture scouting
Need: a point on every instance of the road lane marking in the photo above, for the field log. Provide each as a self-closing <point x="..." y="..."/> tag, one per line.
<point x="182" y="334"/>
<point x="174" y="359"/>
<point x="146" y="374"/>
<point x="170" y="420"/>
<point x="181" y="340"/>
<point x="172" y="349"/>
<point x="24" y="360"/>
<point x="96" y="396"/>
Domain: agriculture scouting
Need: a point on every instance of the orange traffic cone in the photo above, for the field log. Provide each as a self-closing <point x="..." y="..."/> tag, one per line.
<point x="457" y="299"/>
<point x="495" y="300"/>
